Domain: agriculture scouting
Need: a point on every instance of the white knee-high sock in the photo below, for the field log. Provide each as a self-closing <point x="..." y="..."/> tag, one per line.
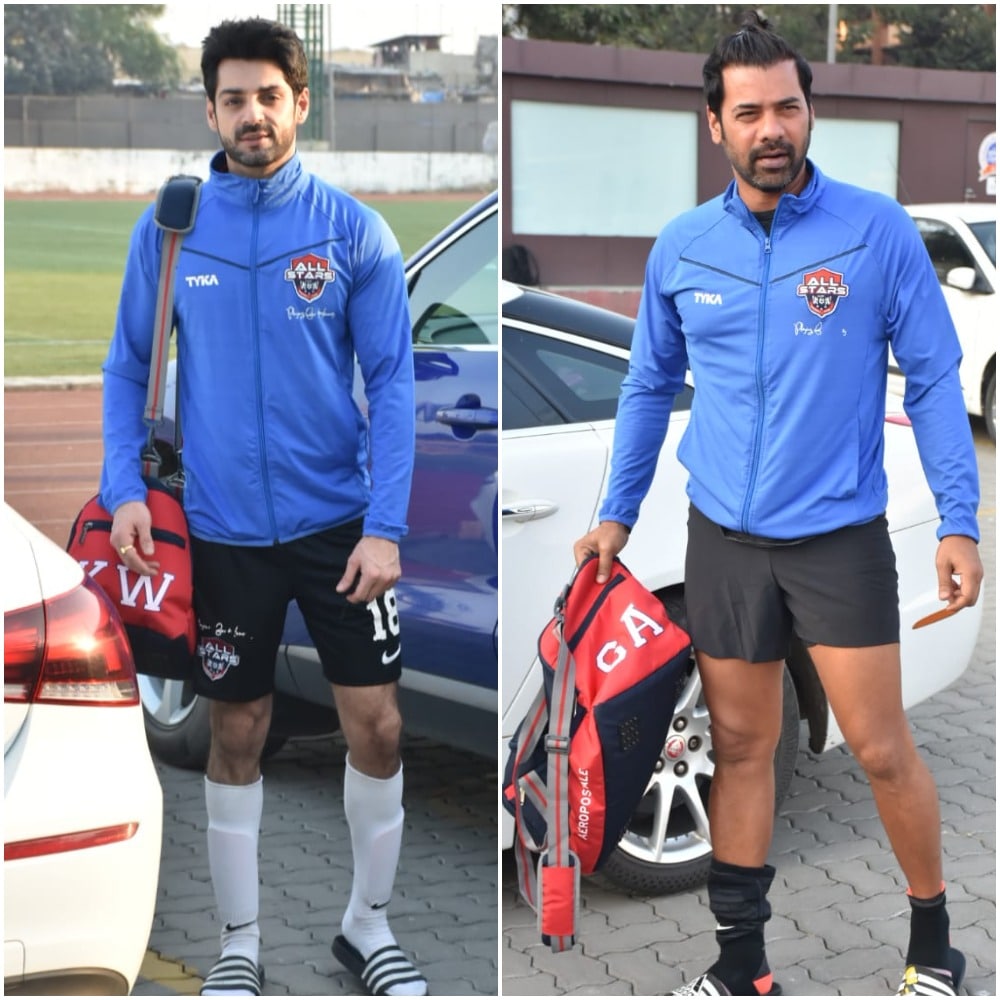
<point x="374" y="811"/>
<point x="234" y="813"/>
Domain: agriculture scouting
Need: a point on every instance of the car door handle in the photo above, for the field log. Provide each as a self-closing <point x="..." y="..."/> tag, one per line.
<point x="468" y="412"/>
<point x="529" y="510"/>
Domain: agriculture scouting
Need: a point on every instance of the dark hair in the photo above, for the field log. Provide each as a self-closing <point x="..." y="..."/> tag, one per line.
<point x="755" y="44"/>
<point x="254" y="38"/>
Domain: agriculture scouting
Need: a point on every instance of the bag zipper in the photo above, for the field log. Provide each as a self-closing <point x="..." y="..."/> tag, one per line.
<point x="159" y="534"/>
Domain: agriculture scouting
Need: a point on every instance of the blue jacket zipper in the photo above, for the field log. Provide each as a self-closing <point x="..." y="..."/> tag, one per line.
<point x="759" y="375"/>
<point x="261" y="424"/>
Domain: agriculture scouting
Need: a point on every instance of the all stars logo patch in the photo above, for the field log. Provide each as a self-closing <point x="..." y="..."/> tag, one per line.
<point x="309" y="275"/>
<point x="217" y="657"/>
<point x="822" y="289"/>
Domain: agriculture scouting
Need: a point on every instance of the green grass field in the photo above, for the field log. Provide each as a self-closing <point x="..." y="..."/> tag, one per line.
<point x="63" y="264"/>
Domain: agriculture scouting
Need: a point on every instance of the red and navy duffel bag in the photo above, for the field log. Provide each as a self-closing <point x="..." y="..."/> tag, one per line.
<point x="613" y="667"/>
<point x="156" y="610"/>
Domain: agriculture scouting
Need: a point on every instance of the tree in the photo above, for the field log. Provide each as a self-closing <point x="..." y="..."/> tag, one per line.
<point x="961" y="36"/>
<point x="934" y="36"/>
<point x="82" y="48"/>
<point x="680" y="27"/>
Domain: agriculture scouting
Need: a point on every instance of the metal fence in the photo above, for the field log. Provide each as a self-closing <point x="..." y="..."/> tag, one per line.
<point x="178" y="122"/>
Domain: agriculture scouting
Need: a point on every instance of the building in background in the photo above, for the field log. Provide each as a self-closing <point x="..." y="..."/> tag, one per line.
<point x="604" y="145"/>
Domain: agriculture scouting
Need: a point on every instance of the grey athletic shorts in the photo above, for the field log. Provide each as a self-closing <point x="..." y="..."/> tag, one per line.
<point x="241" y="595"/>
<point x="747" y="596"/>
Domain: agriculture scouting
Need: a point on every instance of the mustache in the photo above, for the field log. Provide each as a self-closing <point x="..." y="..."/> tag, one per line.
<point x="770" y="150"/>
<point x="254" y="130"/>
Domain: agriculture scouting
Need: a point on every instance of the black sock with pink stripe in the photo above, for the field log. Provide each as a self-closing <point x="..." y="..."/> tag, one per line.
<point x="929" y="944"/>
<point x="737" y="897"/>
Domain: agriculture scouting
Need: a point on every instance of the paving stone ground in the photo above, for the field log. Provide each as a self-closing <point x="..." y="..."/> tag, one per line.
<point x="444" y="910"/>
<point x="840" y="915"/>
<point x="839" y="926"/>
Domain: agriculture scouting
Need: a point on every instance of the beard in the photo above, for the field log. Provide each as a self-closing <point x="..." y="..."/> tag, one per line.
<point x="262" y="156"/>
<point x="765" y="178"/>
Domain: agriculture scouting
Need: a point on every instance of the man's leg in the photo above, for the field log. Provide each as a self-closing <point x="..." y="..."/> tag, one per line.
<point x="359" y="648"/>
<point x="240" y="600"/>
<point x="234" y="799"/>
<point x="863" y="687"/>
<point x="373" y="805"/>
<point x="745" y="704"/>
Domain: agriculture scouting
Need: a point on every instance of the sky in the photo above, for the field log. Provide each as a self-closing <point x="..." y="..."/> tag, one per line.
<point x="354" y="24"/>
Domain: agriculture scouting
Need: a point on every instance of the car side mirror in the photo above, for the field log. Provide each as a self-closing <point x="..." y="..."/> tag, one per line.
<point x="963" y="278"/>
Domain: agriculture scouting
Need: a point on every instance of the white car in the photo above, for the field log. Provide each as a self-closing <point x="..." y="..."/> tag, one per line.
<point x="961" y="239"/>
<point x="563" y="362"/>
<point x="83" y="807"/>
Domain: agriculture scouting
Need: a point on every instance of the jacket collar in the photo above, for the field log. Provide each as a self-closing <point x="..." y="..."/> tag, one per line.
<point x="796" y="204"/>
<point x="267" y="192"/>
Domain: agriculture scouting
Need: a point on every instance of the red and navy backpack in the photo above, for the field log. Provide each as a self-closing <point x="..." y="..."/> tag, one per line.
<point x="613" y="667"/>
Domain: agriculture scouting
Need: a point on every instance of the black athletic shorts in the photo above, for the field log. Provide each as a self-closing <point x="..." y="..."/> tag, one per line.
<point x="747" y="596"/>
<point x="241" y="595"/>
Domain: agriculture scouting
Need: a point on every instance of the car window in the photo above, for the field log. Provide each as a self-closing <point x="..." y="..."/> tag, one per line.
<point x="453" y="297"/>
<point x="523" y="405"/>
<point x="549" y="381"/>
<point x="945" y="247"/>
<point x="577" y="383"/>
<point x="986" y="233"/>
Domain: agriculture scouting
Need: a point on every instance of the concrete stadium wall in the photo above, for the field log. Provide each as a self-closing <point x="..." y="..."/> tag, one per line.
<point x="141" y="171"/>
<point x="369" y="125"/>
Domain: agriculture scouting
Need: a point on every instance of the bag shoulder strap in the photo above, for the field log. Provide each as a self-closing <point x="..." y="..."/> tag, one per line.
<point x="175" y="213"/>
<point x="177" y="203"/>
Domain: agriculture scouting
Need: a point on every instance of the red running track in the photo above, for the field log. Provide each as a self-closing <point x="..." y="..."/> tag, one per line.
<point x="52" y="454"/>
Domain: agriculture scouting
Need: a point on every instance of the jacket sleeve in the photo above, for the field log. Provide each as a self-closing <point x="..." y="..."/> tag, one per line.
<point x="925" y="345"/>
<point x="126" y="370"/>
<point x="378" y="315"/>
<point x="656" y="372"/>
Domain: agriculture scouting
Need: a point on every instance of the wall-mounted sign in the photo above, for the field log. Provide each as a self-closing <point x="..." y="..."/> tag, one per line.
<point x="988" y="162"/>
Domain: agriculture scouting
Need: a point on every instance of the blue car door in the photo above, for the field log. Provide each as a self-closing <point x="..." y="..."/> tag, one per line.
<point x="448" y="593"/>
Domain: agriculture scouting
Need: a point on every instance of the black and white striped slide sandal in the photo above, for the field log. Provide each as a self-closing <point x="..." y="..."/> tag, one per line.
<point x="386" y="969"/>
<point x="234" y="975"/>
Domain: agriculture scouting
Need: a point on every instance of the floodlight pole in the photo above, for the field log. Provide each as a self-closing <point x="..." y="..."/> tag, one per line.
<point x="831" y="33"/>
<point x="309" y="21"/>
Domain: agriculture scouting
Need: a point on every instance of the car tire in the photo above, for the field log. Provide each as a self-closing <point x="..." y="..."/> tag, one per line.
<point x="177" y="726"/>
<point x="990" y="405"/>
<point x="656" y="858"/>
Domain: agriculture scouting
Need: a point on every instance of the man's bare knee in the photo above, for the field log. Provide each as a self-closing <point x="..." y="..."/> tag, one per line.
<point x="239" y="731"/>
<point x="372" y="725"/>
<point x="886" y="761"/>
<point x="737" y="746"/>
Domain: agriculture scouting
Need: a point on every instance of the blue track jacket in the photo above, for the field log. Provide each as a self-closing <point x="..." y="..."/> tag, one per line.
<point x="281" y="285"/>
<point x="787" y="339"/>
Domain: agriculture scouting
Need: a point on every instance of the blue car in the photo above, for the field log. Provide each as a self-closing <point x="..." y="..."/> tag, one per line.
<point x="448" y="594"/>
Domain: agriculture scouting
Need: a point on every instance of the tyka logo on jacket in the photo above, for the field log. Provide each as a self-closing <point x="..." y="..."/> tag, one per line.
<point x="202" y="280"/>
<point x="309" y="275"/>
<point x="822" y="289"/>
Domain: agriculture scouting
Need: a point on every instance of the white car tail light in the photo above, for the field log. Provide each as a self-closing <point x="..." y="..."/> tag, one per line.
<point x="71" y="650"/>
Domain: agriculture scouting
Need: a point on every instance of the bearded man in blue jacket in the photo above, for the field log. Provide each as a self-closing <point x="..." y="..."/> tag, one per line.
<point x="283" y="284"/>
<point x="783" y="297"/>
